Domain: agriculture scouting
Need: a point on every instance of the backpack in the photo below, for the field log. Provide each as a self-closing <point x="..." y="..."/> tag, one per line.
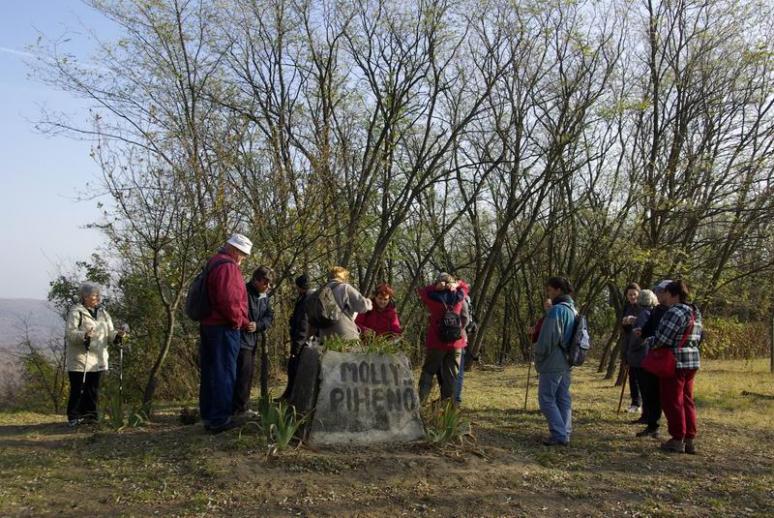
<point x="322" y="309"/>
<point x="580" y="342"/>
<point x="450" y="326"/>
<point x="197" y="302"/>
<point x="472" y="327"/>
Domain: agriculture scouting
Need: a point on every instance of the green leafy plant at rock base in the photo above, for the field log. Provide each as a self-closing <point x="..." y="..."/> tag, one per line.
<point x="279" y="423"/>
<point x="447" y="425"/>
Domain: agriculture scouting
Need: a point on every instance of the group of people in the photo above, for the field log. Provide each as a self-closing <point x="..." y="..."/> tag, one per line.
<point x="239" y="312"/>
<point x="658" y="318"/>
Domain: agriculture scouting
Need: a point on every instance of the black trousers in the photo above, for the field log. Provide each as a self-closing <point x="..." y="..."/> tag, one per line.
<point x="83" y="405"/>
<point x="651" y="397"/>
<point x="293" y="361"/>
<point x="244" y="379"/>
<point x="634" y="386"/>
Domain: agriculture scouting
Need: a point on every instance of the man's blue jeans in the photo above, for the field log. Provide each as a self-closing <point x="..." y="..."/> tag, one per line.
<point x="218" y="350"/>
<point x="556" y="404"/>
<point x="460" y="379"/>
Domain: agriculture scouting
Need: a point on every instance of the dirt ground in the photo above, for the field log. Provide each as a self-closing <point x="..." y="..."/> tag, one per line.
<point x="168" y="469"/>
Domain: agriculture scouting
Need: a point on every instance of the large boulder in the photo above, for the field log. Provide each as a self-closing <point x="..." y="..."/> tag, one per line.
<point x="365" y="398"/>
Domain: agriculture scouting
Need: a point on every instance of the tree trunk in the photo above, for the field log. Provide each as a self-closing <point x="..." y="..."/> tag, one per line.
<point x="608" y="349"/>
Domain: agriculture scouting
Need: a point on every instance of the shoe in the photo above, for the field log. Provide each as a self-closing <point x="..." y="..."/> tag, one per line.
<point x="214" y="430"/>
<point x="690" y="448"/>
<point x="648" y="432"/>
<point x="250" y="414"/>
<point x="673" y="446"/>
<point x="550" y="441"/>
<point x="640" y="420"/>
<point x="633" y="409"/>
<point x="72" y="423"/>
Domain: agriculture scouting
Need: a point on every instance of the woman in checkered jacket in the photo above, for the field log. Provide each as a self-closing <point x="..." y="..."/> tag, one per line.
<point x="681" y="329"/>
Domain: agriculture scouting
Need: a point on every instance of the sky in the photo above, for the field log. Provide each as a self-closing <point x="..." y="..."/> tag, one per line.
<point x="42" y="177"/>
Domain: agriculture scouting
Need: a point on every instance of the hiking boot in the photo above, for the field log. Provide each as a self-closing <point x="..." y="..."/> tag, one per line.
<point x="648" y="432"/>
<point x="214" y="430"/>
<point x="550" y="441"/>
<point x="72" y="423"/>
<point x="690" y="448"/>
<point x="640" y="420"/>
<point x="673" y="446"/>
<point x="633" y="409"/>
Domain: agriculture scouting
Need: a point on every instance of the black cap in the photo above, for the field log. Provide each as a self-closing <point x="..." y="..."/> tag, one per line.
<point x="302" y="282"/>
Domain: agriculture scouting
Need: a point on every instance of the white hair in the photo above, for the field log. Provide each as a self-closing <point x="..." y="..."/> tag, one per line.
<point x="87" y="288"/>
<point x="647" y="299"/>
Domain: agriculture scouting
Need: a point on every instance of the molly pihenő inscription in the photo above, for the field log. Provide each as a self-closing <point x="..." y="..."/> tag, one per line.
<point x="370" y="386"/>
<point x="365" y="399"/>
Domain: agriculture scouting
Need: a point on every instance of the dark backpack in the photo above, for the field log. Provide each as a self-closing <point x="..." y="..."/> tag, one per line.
<point x="322" y="309"/>
<point x="197" y="302"/>
<point x="450" y="326"/>
<point x="580" y="343"/>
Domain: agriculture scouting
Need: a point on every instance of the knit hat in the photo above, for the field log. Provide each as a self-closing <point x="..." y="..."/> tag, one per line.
<point x="241" y="243"/>
<point x="302" y="282"/>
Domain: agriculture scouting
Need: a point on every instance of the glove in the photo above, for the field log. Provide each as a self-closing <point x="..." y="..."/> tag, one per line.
<point x="118" y="340"/>
<point x="86" y="342"/>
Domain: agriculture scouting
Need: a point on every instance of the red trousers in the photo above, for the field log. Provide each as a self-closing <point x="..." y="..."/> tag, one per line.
<point x="678" y="405"/>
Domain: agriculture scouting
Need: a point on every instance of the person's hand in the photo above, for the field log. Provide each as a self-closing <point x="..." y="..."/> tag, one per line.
<point x="251" y="327"/>
<point x="531" y="330"/>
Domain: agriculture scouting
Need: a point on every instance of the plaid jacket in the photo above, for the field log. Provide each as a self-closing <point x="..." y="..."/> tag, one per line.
<point x="671" y="330"/>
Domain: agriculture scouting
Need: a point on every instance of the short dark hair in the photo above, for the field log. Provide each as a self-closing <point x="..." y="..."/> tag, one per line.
<point x="560" y="283"/>
<point x="263" y="272"/>
<point x="632" y="286"/>
<point x="678" y="289"/>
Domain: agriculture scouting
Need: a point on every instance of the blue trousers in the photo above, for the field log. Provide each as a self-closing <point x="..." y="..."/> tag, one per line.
<point x="556" y="404"/>
<point x="218" y="350"/>
<point x="460" y="379"/>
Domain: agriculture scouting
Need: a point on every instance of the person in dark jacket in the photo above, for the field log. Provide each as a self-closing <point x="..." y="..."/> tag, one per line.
<point x="382" y="320"/>
<point x="221" y="333"/>
<point x="261" y="317"/>
<point x="299" y="332"/>
<point x="630" y="312"/>
<point x="648" y="383"/>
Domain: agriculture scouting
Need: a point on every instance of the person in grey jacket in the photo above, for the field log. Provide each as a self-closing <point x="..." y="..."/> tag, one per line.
<point x="350" y="302"/>
<point x="261" y="316"/>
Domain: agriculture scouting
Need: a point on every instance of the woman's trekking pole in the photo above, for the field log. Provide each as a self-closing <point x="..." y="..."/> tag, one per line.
<point x="121" y="364"/>
<point x="623" y="387"/>
<point x="264" y="370"/>
<point x="526" y="394"/>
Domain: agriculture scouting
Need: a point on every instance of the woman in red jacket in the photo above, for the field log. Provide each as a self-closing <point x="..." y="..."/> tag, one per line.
<point x="445" y="300"/>
<point x="382" y="320"/>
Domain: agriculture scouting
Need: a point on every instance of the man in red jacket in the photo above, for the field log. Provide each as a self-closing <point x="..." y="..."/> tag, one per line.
<point x="445" y="300"/>
<point x="220" y="333"/>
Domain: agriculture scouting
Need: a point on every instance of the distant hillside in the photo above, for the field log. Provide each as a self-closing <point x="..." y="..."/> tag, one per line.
<point x="43" y="321"/>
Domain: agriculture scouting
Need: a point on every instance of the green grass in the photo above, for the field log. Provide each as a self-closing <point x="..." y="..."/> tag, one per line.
<point x="168" y="469"/>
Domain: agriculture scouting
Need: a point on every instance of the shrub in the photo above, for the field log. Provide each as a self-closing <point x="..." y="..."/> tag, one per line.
<point x="728" y="339"/>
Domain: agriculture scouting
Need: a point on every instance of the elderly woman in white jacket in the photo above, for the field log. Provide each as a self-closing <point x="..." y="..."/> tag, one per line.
<point x="89" y="332"/>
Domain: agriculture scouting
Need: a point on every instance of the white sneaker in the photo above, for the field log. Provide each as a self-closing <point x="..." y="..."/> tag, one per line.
<point x="634" y="409"/>
<point x="251" y="414"/>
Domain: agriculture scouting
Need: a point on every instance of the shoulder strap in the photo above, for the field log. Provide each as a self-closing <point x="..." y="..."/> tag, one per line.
<point x="217" y="263"/>
<point x="688" y="331"/>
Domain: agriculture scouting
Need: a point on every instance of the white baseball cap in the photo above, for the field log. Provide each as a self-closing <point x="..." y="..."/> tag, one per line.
<point x="241" y="243"/>
<point x="661" y="286"/>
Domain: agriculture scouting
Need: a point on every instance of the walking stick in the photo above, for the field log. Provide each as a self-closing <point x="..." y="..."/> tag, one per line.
<point x="526" y="394"/>
<point x="623" y="387"/>
<point x="264" y="371"/>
